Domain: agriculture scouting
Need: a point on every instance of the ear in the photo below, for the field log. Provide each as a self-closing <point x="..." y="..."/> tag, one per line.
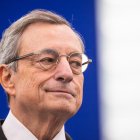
<point x="6" y="79"/>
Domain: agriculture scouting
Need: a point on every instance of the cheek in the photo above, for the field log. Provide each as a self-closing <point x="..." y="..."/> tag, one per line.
<point x="26" y="81"/>
<point x="79" y="89"/>
<point x="27" y="84"/>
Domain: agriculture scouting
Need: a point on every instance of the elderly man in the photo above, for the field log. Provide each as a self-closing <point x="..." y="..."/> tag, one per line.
<point x="42" y="62"/>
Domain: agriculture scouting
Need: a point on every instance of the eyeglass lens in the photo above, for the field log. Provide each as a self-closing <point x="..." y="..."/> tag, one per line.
<point x="49" y="58"/>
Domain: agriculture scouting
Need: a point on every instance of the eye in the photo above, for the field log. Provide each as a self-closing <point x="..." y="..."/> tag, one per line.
<point x="47" y="61"/>
<point x="76" y="64"/>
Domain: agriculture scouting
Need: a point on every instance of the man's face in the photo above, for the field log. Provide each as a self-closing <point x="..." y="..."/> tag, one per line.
<point x="56" y="90"/>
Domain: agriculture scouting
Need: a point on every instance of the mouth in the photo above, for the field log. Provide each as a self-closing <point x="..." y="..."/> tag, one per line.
<point x="61" y="92"/>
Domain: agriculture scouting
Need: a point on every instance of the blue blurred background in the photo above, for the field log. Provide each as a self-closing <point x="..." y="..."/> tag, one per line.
<point x="81" y="14"/>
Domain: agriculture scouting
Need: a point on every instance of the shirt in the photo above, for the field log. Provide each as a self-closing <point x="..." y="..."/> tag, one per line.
<point x="15" y="130"/>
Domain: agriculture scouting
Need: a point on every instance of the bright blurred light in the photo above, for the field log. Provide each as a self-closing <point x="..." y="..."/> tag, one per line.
<point x="119" y="55"/>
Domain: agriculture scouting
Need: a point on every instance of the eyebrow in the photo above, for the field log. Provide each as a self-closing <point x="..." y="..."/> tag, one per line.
<point x="49" y="50"/>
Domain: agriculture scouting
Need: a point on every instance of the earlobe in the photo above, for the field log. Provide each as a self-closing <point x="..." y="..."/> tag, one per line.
<point x="6" y="79"/>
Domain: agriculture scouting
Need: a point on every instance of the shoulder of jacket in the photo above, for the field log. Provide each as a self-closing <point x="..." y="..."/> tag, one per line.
<point x="68" y="137"/>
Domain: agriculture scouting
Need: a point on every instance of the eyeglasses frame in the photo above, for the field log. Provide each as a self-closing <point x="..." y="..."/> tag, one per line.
<point x="17" y="58"/>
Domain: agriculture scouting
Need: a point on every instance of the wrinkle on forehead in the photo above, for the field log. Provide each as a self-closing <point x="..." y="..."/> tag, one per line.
<point x="38" y="36"/>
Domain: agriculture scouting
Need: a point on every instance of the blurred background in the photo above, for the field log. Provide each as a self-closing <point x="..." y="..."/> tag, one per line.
<point x="118" y="32"/>
<point x="111" y="29"/>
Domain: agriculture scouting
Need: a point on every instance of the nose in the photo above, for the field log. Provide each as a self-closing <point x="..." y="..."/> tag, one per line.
<point x="63" y="72"/>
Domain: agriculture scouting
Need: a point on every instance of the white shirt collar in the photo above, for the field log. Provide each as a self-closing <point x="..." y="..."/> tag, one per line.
<point x="15" y="130"/>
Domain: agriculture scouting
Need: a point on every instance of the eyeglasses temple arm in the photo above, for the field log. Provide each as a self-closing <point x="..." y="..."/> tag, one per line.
<point x="89" y="61"/>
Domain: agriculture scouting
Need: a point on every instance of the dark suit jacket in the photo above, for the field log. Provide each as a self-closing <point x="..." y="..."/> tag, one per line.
<point x="2" y="136"/>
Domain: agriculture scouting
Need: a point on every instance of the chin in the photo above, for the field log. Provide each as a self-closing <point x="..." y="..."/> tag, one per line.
<point x="65" y="109"/>
<point x="69" y="109"/>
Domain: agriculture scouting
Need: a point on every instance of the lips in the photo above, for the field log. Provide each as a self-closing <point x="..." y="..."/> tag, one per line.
<point x="63" y="90"/>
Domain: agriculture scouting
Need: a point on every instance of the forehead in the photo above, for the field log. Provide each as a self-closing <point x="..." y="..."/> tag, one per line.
<point x="39" y="36"/>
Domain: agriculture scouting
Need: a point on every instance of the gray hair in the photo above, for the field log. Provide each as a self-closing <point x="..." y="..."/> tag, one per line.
<point x="9" y="45"/>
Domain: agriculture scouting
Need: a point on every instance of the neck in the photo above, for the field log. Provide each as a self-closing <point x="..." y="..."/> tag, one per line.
<point x="46" y="130"/>
<point x="44" y="127"/>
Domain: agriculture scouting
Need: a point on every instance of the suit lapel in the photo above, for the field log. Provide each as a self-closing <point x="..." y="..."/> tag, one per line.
<point x="2" y="136"/>
<point x="68" y="137"/>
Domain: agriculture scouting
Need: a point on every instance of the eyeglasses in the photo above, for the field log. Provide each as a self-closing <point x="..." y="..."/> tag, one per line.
<point x="49" y="58"/>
